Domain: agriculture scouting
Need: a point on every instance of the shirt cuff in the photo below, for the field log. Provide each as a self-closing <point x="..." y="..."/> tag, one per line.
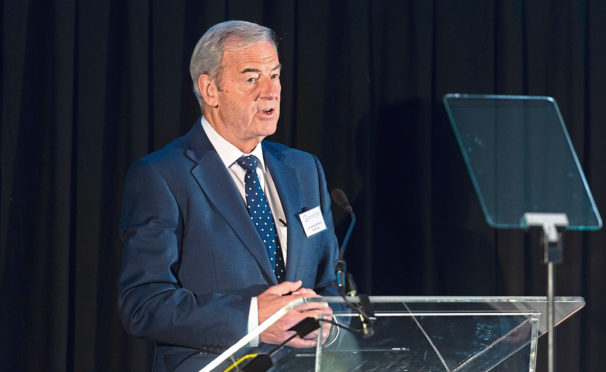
<point x="253" y="320"/>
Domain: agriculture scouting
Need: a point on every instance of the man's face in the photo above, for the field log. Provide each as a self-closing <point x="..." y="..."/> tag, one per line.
<point x="249" y="96"/>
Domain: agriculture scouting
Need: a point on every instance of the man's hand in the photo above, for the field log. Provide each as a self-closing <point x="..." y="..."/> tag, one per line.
<point x="278" y="296"/>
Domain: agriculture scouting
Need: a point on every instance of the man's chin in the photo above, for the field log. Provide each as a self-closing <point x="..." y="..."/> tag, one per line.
<point x="267" y="129"/>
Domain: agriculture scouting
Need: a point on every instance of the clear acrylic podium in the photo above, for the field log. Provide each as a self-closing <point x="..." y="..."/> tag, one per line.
<point x="420" y="334"/>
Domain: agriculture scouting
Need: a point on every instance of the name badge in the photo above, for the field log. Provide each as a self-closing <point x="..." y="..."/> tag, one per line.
<point x="312" y="221"/>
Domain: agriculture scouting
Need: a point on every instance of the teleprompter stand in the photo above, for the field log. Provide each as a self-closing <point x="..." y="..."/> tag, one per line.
<point x="525" y="172"/>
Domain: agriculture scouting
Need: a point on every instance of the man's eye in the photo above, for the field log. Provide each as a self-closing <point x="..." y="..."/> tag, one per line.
<point x="275" y="76"/>
<point x="251" y="80"/>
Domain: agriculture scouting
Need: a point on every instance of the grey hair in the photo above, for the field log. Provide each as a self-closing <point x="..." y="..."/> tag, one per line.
<point x="208" y="53"/>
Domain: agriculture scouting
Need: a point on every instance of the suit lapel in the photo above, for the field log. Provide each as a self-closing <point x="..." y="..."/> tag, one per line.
<point x="286" y="181"/>
<point x="214" y="180"/>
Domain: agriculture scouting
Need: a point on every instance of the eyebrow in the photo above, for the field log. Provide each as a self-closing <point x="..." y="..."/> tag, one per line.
<point x="277" y="67"/>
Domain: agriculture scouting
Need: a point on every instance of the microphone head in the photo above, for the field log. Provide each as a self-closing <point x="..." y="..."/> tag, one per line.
<point x="340" y="198"/>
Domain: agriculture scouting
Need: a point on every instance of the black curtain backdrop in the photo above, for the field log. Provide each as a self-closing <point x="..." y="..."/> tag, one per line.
<point x="89" y="86"/>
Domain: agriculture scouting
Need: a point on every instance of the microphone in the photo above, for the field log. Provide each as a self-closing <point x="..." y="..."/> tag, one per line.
<point x="340" y="198"/>
<point x="345" y="282"/>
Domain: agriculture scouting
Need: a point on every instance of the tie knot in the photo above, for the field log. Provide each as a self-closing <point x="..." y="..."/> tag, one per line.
<point x="249" y="163"/>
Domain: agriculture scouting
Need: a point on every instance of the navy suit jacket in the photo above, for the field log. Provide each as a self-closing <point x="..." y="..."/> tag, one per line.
<point x="192" y="259"/>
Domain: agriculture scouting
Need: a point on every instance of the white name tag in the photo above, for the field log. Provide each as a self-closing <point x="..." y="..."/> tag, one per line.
<point x="312" y="221"/>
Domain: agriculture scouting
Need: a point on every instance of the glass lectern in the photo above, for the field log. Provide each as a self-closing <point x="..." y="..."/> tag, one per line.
<point x="419" y="334"/>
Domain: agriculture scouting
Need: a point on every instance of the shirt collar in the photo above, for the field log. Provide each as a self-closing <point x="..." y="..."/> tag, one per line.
<point x="227" y="151"/>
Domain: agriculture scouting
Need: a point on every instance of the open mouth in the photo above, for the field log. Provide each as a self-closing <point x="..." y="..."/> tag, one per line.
<point x="267" y="111"/>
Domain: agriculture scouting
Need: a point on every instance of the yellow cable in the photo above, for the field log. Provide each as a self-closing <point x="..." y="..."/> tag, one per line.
<point x="247" y="356"/>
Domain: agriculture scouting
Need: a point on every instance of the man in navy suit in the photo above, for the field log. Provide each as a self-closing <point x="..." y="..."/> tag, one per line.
<point x="197" y="273"/>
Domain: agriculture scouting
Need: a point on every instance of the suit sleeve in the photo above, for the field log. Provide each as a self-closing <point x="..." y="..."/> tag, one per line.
<point x="152" y="303"/>
<point x="326" y="280"/>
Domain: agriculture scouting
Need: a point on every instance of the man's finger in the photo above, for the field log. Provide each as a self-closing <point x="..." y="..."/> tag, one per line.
<point x="285" y="287"/>
<point x="301" y="343"/>
<point x="321" y="307"/>
<point x="304" y="291"/>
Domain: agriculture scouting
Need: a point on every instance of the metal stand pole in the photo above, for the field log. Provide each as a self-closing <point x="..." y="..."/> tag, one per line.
<point x="550" y="316"/>
<point x="553" y="256"/>
<point x="552" y="224"/>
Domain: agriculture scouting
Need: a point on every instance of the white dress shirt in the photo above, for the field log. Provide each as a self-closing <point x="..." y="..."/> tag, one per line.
<point x="229" y="154"/>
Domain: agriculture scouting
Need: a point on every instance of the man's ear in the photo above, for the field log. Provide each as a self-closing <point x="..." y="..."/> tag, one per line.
<point x="208" y="90"/>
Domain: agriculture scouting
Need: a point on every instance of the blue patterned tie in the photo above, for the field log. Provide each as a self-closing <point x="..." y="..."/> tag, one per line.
<point x="261" y="216"/>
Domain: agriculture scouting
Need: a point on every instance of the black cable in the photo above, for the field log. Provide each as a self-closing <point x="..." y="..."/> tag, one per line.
<point x="341" y="326"/>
